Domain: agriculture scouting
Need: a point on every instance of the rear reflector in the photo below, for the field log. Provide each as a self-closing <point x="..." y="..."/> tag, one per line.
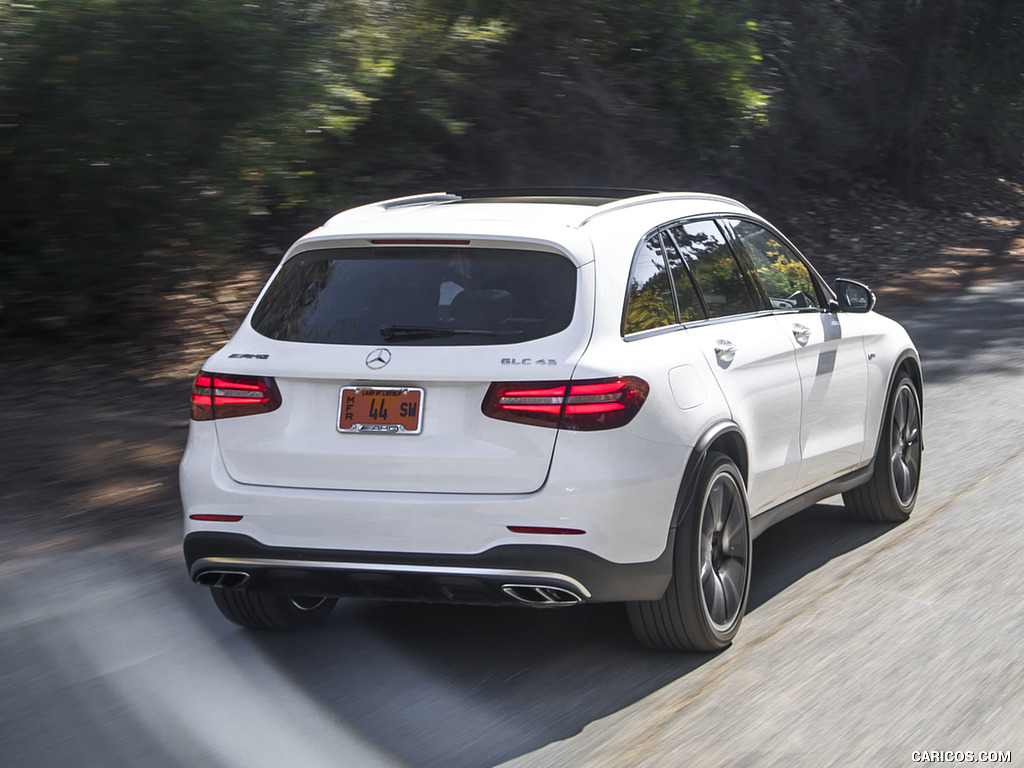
<point x="221" y="396"/>
<point x="587" y="405"/>
<point x="541" y="529"/>
<point x="216" y="518"/>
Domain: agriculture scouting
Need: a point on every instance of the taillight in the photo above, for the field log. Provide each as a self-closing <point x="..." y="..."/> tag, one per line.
<point x="586" y="405"/>
<point x="223" y="395"/>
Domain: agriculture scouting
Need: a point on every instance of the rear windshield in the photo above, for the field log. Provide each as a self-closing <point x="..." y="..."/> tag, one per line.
<point x="418" y="296"/>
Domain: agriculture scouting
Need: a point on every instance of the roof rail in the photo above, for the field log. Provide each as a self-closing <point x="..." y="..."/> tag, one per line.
<point x="615" y="193"/>
<point x="628" y="202"/>
<point x="430" y="197"/>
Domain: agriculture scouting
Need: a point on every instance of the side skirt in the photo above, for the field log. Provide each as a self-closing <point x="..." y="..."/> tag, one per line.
<point x="770" y="517"/>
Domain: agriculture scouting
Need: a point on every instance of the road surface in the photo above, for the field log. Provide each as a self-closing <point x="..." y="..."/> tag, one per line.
<point x="863" y="644"/>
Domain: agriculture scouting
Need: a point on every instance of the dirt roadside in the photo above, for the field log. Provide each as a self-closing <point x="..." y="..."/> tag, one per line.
<point x="92" y="437"/>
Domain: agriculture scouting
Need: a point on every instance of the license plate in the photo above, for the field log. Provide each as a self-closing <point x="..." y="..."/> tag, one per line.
<point x="381" y="410"/>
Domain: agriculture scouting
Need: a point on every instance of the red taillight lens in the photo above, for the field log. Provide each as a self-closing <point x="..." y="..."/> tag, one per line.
<point x="581" y="405"/>
<point x="221" y="396"/>
<point x="537" y="403"/>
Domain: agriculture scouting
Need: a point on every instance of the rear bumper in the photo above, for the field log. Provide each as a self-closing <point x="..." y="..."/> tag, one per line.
<point x="622" y="500"/>
<point x="532" y="574"/>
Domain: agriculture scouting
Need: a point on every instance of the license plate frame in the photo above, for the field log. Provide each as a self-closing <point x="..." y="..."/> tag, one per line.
<point x="359" y="411"/>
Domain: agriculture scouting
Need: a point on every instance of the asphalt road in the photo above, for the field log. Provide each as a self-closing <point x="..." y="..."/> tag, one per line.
<point x="862" y="644"/>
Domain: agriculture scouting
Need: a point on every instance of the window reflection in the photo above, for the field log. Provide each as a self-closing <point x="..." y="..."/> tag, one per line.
<point x="690" y="307"/>
<point x="717" y="273"/>
<point x="649" y="304"/>
<point x="785" y="278"/>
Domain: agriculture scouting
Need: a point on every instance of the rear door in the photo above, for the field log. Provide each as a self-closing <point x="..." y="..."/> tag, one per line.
<point x="383" y="356"/>
<point x="750" y="355"/>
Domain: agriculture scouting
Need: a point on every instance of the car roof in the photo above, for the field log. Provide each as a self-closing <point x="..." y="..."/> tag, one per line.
<point x="565" y="207"/>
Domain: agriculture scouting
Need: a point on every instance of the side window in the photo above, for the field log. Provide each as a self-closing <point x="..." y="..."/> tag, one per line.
<point x="649" y="303"/>
<point x="715" y="269"/>
<point x="690" y="308"/>
<point x="785" y="278"/>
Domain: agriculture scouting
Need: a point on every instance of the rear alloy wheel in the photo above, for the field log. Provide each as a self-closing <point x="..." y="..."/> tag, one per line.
<point x="889" y="496"/>
<point x="703" y="606"/>
<point x="267" y="610"/>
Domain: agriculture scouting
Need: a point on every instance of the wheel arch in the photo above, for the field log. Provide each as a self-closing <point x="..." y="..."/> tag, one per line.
<point x="878" y="499"/>
<point x="722" y="437"/>
<point x="908" y="362"/>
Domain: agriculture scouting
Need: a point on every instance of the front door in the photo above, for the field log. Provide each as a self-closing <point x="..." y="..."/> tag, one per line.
<point x="829" y="354"/>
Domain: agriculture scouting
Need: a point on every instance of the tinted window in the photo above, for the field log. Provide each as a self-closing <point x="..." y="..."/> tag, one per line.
<point x="785" y="278"/>
<point x="418" y="296"/>
<point x="690" y="308"/>
<point x="715" y="270"/>
<point x="649" y="303"/>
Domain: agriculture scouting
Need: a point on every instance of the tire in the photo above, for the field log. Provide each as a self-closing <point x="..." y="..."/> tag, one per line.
<point x="267" y="610"/>
<point x="703" y="605"/>
<point x="889" y="496"/>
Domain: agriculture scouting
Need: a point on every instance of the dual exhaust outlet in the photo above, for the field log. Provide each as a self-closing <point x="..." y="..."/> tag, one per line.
<point x="531" y="594"/>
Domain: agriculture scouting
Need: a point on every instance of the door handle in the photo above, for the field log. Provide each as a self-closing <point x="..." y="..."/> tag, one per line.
<point x="725" y="350"/>
<point x="802" y="333"/>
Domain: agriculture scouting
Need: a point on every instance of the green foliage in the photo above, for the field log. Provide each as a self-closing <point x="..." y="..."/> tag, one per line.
<point x="122" y="127"/>
<point x="417" y="65"/>
<point x="890" y="88"/>
<point x="696" y="60"/>
<point x="785" y="277"/>
<point x="137" y="135"/>
<point x="987" y="117"/>
<point x="722" y="284"/>
<point x="650" y="305"/>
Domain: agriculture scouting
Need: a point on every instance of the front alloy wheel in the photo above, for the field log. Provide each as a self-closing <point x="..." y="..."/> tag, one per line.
<point x="905" y="445"/>
<point x="889" y="496"/>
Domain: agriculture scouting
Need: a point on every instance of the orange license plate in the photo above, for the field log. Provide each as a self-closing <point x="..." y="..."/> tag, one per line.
<point x="381" y="410"/>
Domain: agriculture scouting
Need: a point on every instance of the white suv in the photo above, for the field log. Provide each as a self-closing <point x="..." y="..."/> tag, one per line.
<point x="542" y="399"/>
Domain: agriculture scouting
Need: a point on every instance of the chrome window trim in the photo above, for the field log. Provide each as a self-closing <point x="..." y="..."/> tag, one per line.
<point x="718" y="321"/>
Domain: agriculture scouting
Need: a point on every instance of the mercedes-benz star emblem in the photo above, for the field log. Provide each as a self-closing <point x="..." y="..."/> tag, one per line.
<point x="378" y="358"/>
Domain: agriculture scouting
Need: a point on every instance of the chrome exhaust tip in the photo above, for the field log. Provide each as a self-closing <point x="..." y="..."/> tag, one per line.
<point x="531" y="594"/>
<point x="222" y="579"/>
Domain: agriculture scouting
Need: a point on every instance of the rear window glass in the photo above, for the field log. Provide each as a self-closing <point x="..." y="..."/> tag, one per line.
<point x="418" y="296"/>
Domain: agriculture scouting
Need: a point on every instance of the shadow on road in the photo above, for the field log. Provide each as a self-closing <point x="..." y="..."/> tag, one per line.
<point x="968" y="334"/>
<point x="449" y="686"/>
<point x="790" y="550"/>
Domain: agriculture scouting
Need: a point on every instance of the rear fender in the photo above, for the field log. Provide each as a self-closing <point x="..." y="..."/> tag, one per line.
<point x="726" y="437"/>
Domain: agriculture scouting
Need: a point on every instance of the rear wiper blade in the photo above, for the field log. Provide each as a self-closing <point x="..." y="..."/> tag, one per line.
<point x="428" y="332"/>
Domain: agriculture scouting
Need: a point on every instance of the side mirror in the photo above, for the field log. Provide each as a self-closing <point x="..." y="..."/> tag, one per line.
<point x="853" y="296"/>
